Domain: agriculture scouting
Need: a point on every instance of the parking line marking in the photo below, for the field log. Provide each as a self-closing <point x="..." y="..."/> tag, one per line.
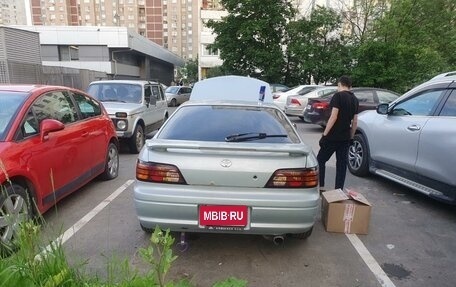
<point x="85" y="219"/>
<point x="370" y="261"/>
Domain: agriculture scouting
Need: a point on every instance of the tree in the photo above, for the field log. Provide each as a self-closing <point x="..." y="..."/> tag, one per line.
<point x="415" y="40"/>
<point x="360" y="16"/>
<point x="316" y="48"/>
<point x="189" y="72"/>
<point x="251" y="38"/>
<point x="216" y="72"/>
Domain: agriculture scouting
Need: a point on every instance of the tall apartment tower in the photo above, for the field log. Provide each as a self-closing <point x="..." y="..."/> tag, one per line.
<point x="12" y="12"/>
<point x="180" y="27"/>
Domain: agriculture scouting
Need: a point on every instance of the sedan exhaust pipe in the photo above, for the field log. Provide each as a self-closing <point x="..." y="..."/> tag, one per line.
<point x="278" y="240"/>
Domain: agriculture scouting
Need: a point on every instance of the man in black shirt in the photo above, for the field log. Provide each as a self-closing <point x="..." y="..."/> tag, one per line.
<point x="339" y="131"/>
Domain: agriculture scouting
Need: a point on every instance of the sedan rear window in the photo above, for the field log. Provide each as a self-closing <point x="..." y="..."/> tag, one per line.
<point x="217" y="123"/>
<point x="10" y="102"/>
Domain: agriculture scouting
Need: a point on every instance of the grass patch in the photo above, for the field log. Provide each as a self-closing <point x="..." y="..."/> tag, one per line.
<point x="31" y="266"/>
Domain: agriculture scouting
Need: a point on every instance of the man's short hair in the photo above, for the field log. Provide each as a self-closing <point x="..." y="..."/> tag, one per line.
<point x="345" y="81"/>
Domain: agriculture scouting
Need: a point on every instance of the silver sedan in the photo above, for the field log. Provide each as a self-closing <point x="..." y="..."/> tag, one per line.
<point x="227" y="166"/>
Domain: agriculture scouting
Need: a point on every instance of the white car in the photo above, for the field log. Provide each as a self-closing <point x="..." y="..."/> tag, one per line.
<point x="296" y="105"/>
<point x="280" y="98"/>
<point x="228" y="162"/>
<point x="136" y="107"/>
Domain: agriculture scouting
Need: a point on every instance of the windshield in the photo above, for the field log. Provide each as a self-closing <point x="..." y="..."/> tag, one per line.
<point x="116" y="92"/>
<point x="172" y="90"/>
<point x="10" y="102"/>
<point x="229" y="123"/>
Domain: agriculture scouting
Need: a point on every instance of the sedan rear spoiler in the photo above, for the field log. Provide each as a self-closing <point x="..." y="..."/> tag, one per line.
<point x="291" y="149"/>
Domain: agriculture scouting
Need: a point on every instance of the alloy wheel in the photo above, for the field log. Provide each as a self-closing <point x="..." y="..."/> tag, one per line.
<point x="355" y="155"/>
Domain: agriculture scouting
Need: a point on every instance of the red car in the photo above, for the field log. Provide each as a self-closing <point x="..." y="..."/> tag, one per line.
<point x="318" y="109"/>
<point x="53" y="140"/>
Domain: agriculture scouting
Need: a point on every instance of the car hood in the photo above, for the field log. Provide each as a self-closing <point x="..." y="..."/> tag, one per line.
<point x="228" y="164"/>
<point x="129" y="108"/>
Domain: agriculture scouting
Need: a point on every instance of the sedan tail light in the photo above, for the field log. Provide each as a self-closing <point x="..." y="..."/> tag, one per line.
<point x="295" y="102"/>
<point x="158" y="172"/>
<point x="320" y="105"/>
<point x="294" y="178"/>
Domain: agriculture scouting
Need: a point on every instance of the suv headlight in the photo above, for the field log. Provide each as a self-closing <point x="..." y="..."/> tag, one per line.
<point x="122" y="125"/>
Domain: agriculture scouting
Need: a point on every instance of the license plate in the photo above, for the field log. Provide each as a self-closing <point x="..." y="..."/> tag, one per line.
<point x="223" y="215"/>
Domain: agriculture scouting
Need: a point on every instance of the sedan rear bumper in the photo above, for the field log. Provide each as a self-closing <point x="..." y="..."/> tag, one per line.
<point x="270" y="211"/>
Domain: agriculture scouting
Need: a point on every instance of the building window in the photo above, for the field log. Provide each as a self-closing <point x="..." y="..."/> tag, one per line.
<point x="209" y="52"/>
<point x="68" y="53"/>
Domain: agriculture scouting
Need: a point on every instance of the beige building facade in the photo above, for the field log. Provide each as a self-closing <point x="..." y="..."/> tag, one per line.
<point x="13" y="12"/>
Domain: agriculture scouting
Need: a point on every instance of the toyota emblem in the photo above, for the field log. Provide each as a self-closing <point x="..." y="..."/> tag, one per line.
<point x="225" y="163"/>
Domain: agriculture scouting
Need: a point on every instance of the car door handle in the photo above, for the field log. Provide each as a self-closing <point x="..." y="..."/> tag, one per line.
<point x="414" y="128"/>
<point x="85" y="134"/>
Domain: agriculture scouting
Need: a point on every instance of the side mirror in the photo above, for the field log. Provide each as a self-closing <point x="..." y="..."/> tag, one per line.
<point x="48" y="126"/>
<point x="382" y="109"/>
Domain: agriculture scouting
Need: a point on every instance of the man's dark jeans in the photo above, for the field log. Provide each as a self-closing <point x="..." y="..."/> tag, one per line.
<point x="327" y="148"/>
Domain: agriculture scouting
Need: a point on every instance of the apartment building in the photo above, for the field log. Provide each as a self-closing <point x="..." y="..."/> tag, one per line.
<point x="12" y="12"/>
<point x="172" y="24"/>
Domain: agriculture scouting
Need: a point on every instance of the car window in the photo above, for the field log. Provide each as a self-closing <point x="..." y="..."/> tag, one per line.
<point x="147" y="93"/>
<point x="326" y="92"/>
<point x="88" y="107"/>
<point x="420" y="105"/>
<point x="364" y="96"/>
<point x="55" y="105"/>
<point x="115" y="92"/>
<point x="386" y="97"/>
<point x="172" y="90"/>
<point x="222" y="121"/>
<point x="306" y="90"/>
<point x="449" y="109"/>
<point x="162" y="93"/>
<point x="10" y="102"/>
<point x="29" y="126"/>
<point x="156" y="92"/>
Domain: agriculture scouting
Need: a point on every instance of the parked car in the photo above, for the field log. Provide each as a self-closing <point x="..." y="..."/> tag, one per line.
<point x="53" y="140"/>
<point x="136" y="108"/>
<point x="411" y="140"/>
<point x="247" y="171"/>
<point x="280" y="98"/>
<point x="318" y="110"/>
<point x="176" y="95"/>
<point x="278" y="87"/>
<point x="296" y="104"/>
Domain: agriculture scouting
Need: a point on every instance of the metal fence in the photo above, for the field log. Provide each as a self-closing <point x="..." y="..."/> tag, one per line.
<point x="24" y="73"/>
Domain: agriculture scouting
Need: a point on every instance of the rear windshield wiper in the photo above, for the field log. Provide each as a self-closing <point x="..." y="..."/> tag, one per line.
<point x="252" y="136"/>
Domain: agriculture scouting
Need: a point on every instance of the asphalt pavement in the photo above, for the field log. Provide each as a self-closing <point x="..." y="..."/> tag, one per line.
<point x="411" y="240"/>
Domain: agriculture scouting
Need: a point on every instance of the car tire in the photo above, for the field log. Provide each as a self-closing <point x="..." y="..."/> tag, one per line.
<point x="358" y="156"/>
<point x="303" y="235"/>
<point x="145" y="229"/>
<point x="137" y="140"/>
<point x="173" y="103"/>
<point x="112" y="163"/>
<point x="15" y="208"/>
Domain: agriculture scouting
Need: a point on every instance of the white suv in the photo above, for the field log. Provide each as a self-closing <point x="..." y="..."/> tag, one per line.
<point x="136" y="108"/>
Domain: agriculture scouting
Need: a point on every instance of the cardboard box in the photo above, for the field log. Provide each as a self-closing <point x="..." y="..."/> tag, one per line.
<point x="346" y="212"/>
